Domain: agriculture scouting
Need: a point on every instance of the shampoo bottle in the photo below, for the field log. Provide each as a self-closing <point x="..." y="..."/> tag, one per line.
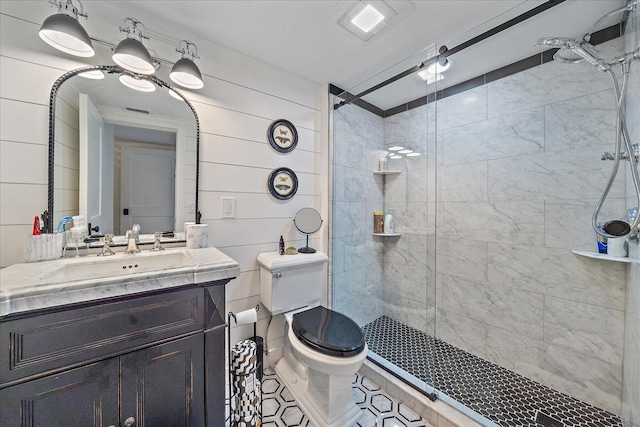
<point x="388" y="222"/>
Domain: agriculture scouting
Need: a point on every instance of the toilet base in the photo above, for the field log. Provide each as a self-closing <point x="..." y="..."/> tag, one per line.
<point x="326" y="400"/>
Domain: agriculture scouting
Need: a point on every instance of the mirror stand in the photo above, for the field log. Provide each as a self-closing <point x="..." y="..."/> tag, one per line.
<point x="307" y="249"/>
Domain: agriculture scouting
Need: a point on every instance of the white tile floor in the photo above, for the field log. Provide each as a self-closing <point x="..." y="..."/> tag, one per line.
<point x="378" y="409"/>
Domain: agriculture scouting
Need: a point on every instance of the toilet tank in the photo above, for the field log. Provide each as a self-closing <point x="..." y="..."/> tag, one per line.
<point x="291" y="281"/>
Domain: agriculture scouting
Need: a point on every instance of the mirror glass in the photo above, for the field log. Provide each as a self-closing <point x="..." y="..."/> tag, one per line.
<point x="307" y="221"/>
<point x="122" y="156"/>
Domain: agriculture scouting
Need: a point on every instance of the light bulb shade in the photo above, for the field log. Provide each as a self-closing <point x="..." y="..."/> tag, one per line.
<point x="66" y="34"/>
<point x="141" y="85"/>
<point x="131" y="55"/>
<point x="186" y="73"/>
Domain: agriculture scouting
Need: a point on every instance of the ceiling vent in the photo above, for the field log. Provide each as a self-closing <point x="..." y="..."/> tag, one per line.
<point x="367" y="18"/>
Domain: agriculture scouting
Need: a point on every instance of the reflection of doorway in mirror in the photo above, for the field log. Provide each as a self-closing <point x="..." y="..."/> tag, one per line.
<point x="144" y="180"/>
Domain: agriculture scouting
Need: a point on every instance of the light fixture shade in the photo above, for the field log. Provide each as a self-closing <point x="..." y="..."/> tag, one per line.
<point x="66" y="34"/>
<point x="141" y="85"/>
<point x="131" y="55"/>
<point x="186" y="73"/>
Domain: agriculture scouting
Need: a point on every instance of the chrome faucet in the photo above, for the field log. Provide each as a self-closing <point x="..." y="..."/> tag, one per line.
<point x="132" y="246"/>
<point x="107" y="241"/>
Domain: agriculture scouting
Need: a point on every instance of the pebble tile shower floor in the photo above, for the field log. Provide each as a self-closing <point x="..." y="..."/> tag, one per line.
<point x="498" y="394"/>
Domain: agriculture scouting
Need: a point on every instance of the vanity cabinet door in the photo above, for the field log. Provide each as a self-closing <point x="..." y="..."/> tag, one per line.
<point x="86" y="396"/>
<point x="164" y="385"/>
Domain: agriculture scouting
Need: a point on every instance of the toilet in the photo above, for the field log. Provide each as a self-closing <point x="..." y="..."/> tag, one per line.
<point x="322" y="348"/>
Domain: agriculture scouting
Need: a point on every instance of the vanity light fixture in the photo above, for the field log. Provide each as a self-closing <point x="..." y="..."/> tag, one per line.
<point x="63" y="31"/>
<point x="93" y="75"/>
<point x="414" y="154"/>
<point x="395" y="156"/>
<point x="396" y="148"/>
<point x="130" y="53"/>
<point x="405" y="151"/>
<point x="141" y="85"/>
<point x="175" y="95"/>
<point x="367" y="18"/>
<point x="185" y="72"/>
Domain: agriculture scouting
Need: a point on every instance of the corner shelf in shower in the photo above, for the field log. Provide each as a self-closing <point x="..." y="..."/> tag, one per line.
<point x="597" y="255"/>
<point x="387" y="172"/>
<point x="387" y="234"/>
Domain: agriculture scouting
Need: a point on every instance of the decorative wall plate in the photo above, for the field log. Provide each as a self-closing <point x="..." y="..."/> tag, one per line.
<point x="283" y="183"/>
<point x="283" y="136"/>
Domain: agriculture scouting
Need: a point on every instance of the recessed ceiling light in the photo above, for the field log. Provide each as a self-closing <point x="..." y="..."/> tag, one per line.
<point x="368" y="18"/>
<point x="436" y="68"/>
<point x="413" y="154"/>
<point x="405" y="151"/>
<point x="396" y="148"/>
<point x="429" y="77"/>
<point x="395" y="156"/>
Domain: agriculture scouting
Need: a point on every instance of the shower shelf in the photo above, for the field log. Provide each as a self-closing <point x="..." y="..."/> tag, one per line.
<point x="597" y="255"/>
<point x="387" y="234"/>
<point x="386" y="172"/>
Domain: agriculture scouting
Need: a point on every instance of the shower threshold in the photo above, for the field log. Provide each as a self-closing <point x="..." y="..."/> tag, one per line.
<point x="495" y="393"/>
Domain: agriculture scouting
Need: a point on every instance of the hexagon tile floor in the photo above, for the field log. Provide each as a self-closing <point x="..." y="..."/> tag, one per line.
<point x="506" y="398"/>
<point x="378" y="409"/>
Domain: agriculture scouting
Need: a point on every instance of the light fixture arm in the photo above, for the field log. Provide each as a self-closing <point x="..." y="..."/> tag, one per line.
<point x="134" y="29"/>
<point x="68" y="7"/>
<point x="188" y="49"/>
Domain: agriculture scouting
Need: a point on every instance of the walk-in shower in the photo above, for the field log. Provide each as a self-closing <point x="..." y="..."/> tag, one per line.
<point x="573" y="52"/>
<point x="477" y="299"/>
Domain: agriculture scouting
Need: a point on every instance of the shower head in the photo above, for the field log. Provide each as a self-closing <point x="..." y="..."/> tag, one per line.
<point x="571" y="51"/>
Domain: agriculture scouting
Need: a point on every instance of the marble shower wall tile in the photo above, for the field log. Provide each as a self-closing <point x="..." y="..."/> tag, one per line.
<point x="590" y="380"/>
<point x="407" y="281"/>
<point x="358" y="121"/>
<point x="467" y="107"/>
<point x="467" y="334"/>
<point x="508" y="135"/>
<point x="542" y="85"/>
<point x="416" y="314"/>
<point x="461" y="257"/>
<point x="350" y="150"/>
<point x="564" y="274"/>
<point x="464" y="182"/>
<point x="516" y="310"/>
<point x="568" y="222"/>
<point x="579" y="122"/>
<point x="567" y="174"/>
<point x="506" y="221"/>
<point x="585" y="329"/>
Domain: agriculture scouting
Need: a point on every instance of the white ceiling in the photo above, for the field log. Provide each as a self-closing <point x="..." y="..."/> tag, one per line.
<point x="303" y="37"/>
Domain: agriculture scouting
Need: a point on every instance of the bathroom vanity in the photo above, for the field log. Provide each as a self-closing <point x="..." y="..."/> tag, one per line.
<point x="125" y="340"/>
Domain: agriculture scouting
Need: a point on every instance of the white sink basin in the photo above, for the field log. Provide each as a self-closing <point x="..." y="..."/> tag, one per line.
<point x="95" y="267"/>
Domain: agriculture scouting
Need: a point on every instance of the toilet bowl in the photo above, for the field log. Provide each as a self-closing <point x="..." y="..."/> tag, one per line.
<point x="320" y="383"/>
<point x="322" y="348"/>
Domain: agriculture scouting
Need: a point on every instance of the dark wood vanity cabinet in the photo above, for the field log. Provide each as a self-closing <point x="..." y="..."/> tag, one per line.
<point x="149" y="360"/>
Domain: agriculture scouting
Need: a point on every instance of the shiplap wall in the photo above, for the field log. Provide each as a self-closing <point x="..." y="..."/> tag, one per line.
<point x="235" y="109"/>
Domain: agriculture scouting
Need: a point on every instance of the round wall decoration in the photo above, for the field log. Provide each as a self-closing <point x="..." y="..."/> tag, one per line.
<point x="283" y="183"/>
<point x="283" y="136"/>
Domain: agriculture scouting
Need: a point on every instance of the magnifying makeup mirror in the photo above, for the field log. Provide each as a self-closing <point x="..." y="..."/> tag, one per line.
<point x="307" y="221"/>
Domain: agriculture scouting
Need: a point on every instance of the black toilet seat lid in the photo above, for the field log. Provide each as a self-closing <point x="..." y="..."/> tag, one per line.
<point x="328" y="332"/>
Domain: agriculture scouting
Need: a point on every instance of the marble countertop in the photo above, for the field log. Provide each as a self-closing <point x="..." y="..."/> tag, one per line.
<point x="32" y="286"/>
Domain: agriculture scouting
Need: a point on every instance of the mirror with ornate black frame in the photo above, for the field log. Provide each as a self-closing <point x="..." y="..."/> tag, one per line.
<point x="121" y="156"/>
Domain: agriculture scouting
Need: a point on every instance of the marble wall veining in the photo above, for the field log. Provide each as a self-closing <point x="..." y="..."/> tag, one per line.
<point x="631" y="371"/>
<point x="357" y="256"/>
<point x="518" y="172"/>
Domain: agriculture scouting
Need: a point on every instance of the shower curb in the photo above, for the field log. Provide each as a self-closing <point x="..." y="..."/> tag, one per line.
<point x="438" y="413"/>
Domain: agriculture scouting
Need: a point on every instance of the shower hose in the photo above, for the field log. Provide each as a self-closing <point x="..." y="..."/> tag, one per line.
<point x="621" y="135"/>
